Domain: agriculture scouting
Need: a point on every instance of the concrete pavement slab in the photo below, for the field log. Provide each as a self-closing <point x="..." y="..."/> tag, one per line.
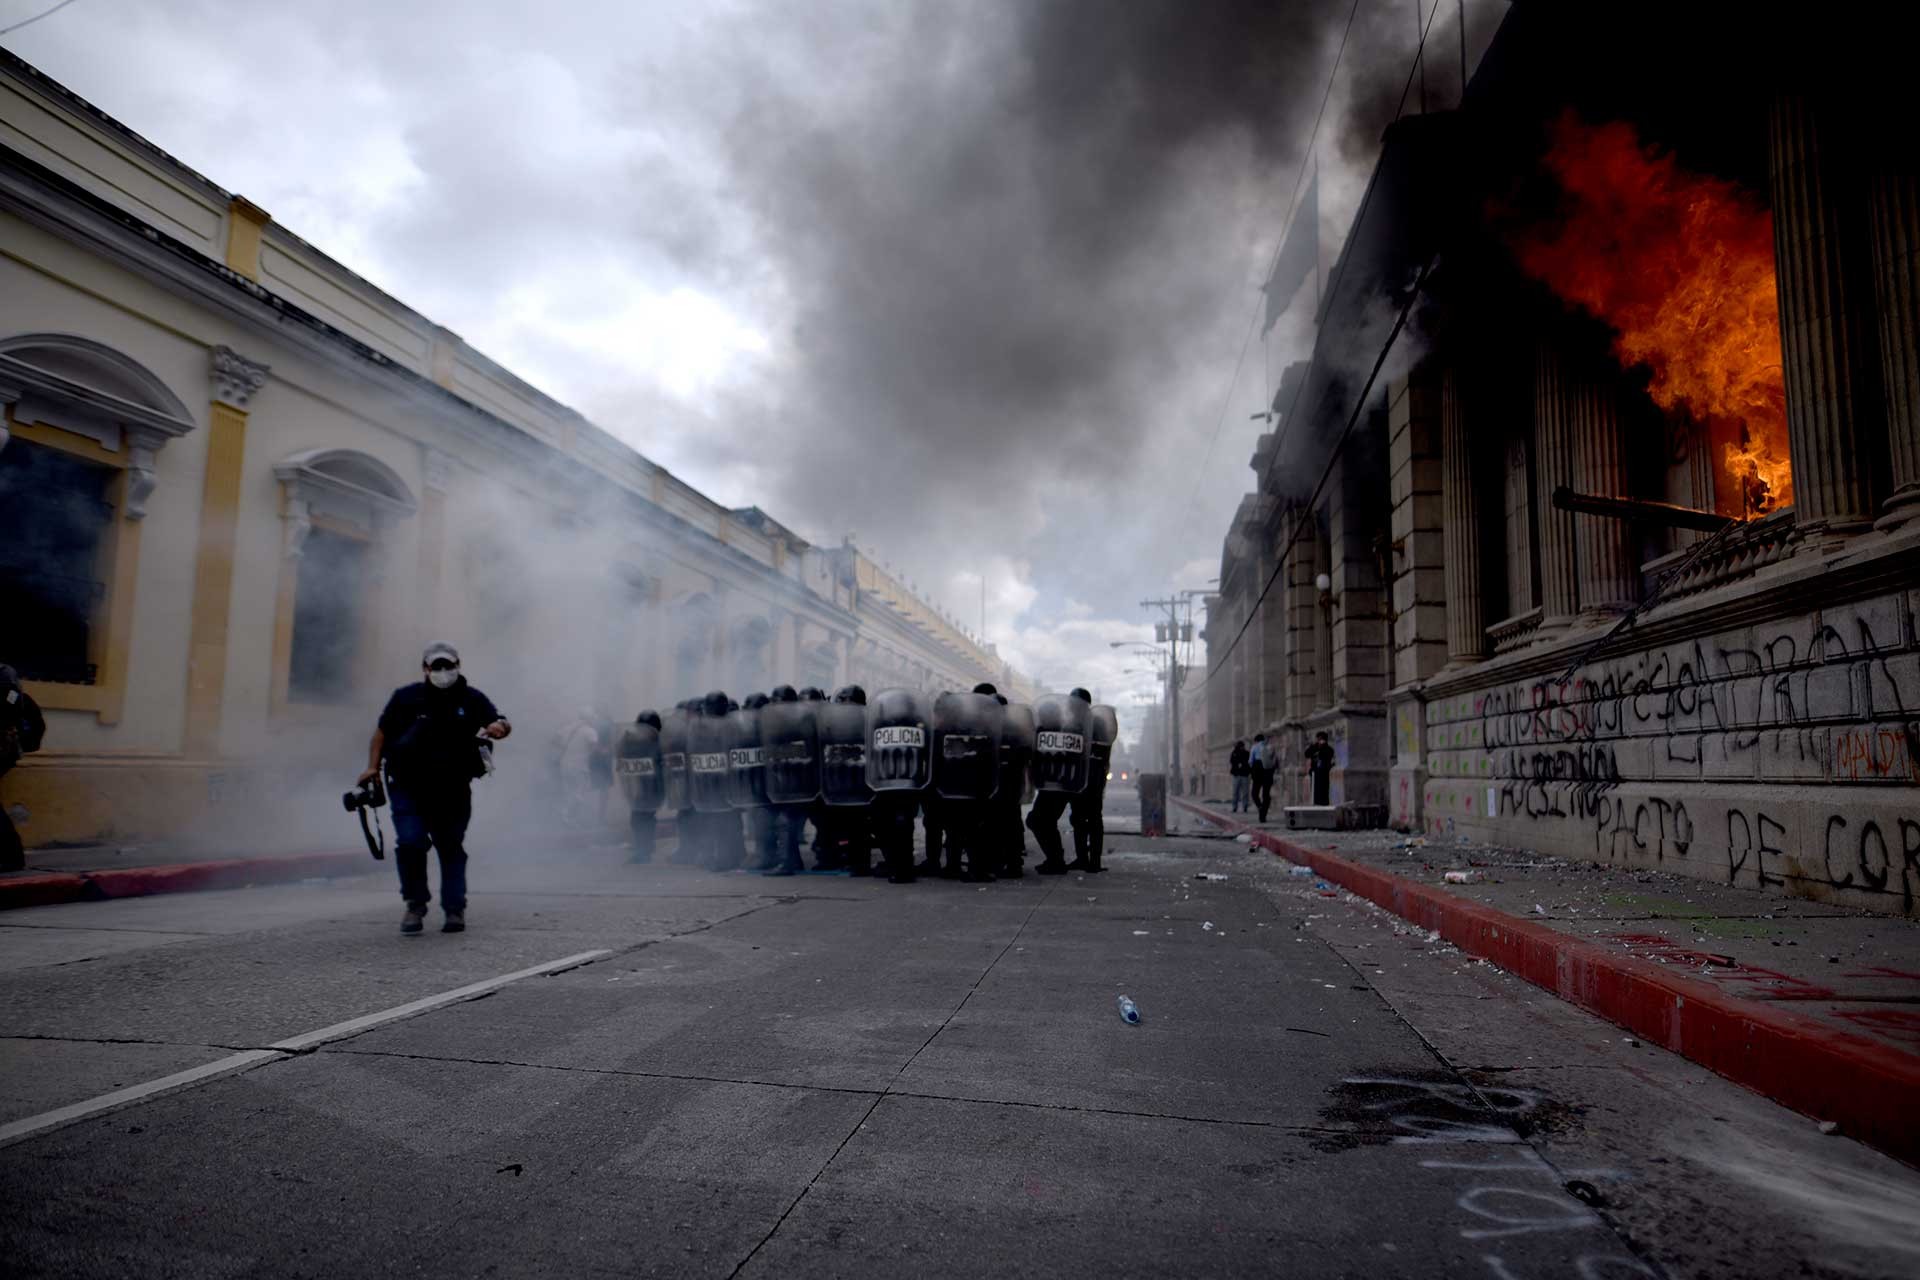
<point x="952" y="1188"/>
<point x="41" y="1075"/>
<point x="341" y="1165"/>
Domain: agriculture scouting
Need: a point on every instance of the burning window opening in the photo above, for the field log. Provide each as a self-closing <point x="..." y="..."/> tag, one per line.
<point x="1681" y="266"/>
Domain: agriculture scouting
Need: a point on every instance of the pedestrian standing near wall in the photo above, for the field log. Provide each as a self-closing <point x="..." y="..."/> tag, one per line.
<point x="428" y="739"/>
<point x="1260" y="762"/>
<point x="1320" y="765"/>
<point x="1237" y="770"/>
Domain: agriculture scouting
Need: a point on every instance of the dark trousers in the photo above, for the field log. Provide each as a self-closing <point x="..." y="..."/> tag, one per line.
<point x="893" y="832"/>
<point x="1089" y="826"/>
<point x="724" y="847"/>
<point x="790" y="824"/>
<point x="932" y="826"/>
<point x="1323" y="786"/>
<point x="12" y="856"/>
<point x="642" y="824"/>
<point x="1044" y="821"/>
<point x="435" y="817"/>
<point x="761" y="853"/>
<point x="1009" y="833"/>
<point x="1262" y="791"/>
<point x="690" y="849"/>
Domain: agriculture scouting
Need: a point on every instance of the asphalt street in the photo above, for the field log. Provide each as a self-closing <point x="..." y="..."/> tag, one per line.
<point x="722" y="1075"/>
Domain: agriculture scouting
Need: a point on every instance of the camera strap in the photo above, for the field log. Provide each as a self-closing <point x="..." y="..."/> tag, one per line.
<point x="375" y="837"/>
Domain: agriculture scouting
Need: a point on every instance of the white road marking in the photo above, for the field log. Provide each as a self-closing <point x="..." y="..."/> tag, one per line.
<point x="246" y="1058"/>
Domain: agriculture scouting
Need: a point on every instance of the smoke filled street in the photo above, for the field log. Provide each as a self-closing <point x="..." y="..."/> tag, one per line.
<point x="959" y="638"/>
<point x="841" y="1077"/>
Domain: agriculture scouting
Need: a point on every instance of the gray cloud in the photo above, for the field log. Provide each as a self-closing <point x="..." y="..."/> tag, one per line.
<point x="968" y="279"/>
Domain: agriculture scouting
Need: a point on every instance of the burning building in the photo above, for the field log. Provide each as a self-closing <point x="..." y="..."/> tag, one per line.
<point x="1588" y="526"/>
<point x="241" y="487"/>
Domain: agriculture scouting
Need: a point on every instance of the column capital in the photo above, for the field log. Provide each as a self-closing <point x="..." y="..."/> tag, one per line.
<point x="235" y="378"/>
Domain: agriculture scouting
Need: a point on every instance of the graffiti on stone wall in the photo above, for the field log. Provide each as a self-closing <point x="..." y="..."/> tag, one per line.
<point x="1665" y="755"/>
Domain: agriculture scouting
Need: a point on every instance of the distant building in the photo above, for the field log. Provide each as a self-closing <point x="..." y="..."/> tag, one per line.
<point x="1717" y="676"/>
<point x="244" y="487"/>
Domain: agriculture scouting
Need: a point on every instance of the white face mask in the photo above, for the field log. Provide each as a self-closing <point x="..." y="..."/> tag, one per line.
<point x="443" y="679"/>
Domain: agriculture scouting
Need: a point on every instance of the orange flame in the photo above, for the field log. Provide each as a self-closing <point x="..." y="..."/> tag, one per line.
<point x="1681" y="266"/>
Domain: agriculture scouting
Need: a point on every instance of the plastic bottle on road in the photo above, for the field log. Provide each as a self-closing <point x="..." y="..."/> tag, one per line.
<point x="1129" y="1012"/>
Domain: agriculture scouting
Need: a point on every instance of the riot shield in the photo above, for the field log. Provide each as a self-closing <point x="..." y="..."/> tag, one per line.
<point x="1062" y="737"/>
<point x="899" y="740"/>
<point x="790" y="740"/>
<point x="843" y="754"/>
<point x="966" y="745"/>
<point x="636" y="767"/>
<point x="673" y="760"/>
<point x="746" y="765"/>
<point x="707" y="763"/>
<point x="1106" y="731"/>
<point x="1016" y="747"/>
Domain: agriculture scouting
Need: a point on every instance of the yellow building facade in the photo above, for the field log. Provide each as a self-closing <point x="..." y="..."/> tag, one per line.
<point x="244" y="487"/>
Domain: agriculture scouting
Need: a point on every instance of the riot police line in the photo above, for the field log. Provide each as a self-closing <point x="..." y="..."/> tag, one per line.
<point x="743" y="781"/>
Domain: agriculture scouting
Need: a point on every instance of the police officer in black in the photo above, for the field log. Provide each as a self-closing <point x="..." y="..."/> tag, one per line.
<point x="642" y="742"/>
<point x="429" y="740"/>
<point x="1043" y="819"/>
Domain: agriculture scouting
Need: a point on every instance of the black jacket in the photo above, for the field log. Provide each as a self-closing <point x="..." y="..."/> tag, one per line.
<point x="433" y="735"/>
<point x="21" y="727"/>
<point x="1237" y="763"/>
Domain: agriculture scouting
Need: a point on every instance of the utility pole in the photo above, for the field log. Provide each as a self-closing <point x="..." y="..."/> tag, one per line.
<point x="1171" y="633"/>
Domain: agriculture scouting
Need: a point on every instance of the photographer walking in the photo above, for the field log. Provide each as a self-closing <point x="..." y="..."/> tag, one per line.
<point x="429" y="739"/>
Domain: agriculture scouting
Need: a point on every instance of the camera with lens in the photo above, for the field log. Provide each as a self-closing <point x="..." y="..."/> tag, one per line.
<point x="368" y="795"/>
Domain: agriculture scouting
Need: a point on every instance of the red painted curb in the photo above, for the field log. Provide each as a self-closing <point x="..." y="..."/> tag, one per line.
<point x="1871" y="1090"/>
<point x="41" y="890"/>
<point x="229" y="873"/>
<point x="133" y="882"/>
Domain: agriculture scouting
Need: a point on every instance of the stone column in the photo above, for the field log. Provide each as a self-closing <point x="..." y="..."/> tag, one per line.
<point x="1553" y="427"/>
<point x="1609" y="580"/>
<point x="1825" y="340"/>
<point x="235" y="380"/>
<point x="1894" y="203"/>
<point x="1466" y="612"/>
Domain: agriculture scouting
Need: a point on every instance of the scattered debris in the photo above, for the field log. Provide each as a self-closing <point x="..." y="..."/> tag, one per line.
<point x="1829" y="1127"/>
<point x="1243" y="838"/>
<point x="1207" y="875"/>
<point x="1139" y="933"/>
<point x="1632" y="1043"/>
<point x="1539" y="910"/>
<point x="1129" y="1011"/>
<point x="1297" y="870"/>
<point x="513" y="1169"/>
<point x="1208" y="926"/>
<point x="1461" y="877"/>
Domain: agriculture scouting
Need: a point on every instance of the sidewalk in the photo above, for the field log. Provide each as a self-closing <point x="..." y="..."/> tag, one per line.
<point x="1817" y="1007"/>
<point x="91" y="872"/>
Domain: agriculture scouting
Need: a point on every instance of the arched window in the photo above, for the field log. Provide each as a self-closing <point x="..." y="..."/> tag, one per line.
<point x="337" y="505"/>
<point x="80" y="428"/>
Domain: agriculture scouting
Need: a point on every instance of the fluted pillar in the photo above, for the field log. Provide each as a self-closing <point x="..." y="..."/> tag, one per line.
<point x="1894" y="204"/>
<point x="1553" y="426"/>
<point x="1609" y="580"/>
<point x="1826" y="340"/>
<point x="1466" y="612"/>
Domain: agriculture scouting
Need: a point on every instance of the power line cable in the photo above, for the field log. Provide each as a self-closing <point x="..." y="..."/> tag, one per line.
<point x="1340" y="268"/>
<point x="1299" y="176"/>
<point x="27" y="22"/>
<point x="1359" y="407"/>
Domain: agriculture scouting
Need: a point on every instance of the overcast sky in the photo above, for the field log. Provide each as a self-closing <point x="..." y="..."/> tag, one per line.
<point x="968" y="279"/>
